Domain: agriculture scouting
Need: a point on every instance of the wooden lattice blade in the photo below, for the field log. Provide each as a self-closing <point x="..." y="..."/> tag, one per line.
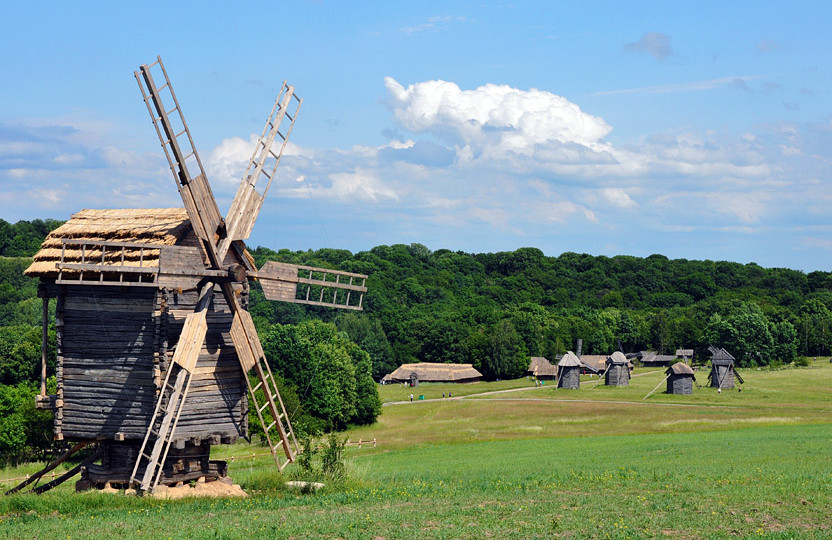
<point x="262" y="167"/>
<point x="312" y="286"/>
<point x="181" y="154"/>
<point x="191" y="340"/>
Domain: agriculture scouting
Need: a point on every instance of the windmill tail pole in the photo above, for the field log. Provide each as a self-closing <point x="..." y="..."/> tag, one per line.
<point x="656" y="388"/>
<point x="600" y="377"/>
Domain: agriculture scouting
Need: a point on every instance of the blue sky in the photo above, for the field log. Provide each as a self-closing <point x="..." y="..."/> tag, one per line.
<point x="698" y="130"/>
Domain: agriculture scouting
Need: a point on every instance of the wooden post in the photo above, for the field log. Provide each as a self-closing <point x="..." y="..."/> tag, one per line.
<point x="656" y="388"/>
<point x="44" y="346"/>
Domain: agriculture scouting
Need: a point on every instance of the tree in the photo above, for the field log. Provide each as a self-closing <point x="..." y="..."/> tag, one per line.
<point x="507" y="357"/>
<point x="784" y="337"/>
<point x="332" y="375"/>
<point x="369" y="335"/>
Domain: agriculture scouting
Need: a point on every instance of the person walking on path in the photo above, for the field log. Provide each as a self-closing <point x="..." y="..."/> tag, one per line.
<point x="411" y="397"/>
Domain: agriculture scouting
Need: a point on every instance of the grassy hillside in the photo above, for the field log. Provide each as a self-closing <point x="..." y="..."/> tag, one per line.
<point x="527" y="463"/>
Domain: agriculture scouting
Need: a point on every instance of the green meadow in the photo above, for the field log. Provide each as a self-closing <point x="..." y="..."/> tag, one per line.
<point x="511" y="460"/>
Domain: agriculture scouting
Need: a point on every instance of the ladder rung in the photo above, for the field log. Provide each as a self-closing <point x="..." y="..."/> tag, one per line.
<point x="162" y="87"/>
<point x="180" y="133"/>
<point x="170" y="111"/>
<point x="271" y="426"/>
<point x="266" y="404"/>
<point x="257" y="387"/>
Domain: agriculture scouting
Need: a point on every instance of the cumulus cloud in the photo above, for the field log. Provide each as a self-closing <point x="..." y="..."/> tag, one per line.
<point x="497" y="119"/>
<point x="656" y="44"/>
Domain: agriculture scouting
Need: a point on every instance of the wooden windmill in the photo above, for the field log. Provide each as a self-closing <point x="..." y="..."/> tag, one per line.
<point x="157" y="353"/>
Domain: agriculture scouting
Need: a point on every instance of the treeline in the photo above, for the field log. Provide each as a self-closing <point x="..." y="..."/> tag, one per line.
<point x="25" y="433"/>
<point x="495" y="310"/>
<point x="23" y="239"/>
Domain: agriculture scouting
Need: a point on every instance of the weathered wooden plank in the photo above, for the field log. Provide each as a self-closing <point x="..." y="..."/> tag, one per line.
<point x="95" y="301"/>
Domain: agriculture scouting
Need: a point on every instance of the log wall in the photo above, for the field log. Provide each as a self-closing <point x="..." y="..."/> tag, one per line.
<point x="570" y="377"/>
<point x="680" y="384"/>
<point x="617" y="375"/>
<point x="724" y="374"/>
<point x="108" y="343"/>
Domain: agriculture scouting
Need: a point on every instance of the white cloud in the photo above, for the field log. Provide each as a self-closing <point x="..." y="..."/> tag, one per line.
<point x="494" y="118"/>
<point x="617" y="197"/>
<point x="227" y="162"/>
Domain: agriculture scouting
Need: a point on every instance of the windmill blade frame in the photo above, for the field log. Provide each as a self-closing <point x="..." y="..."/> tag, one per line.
<point x="204" y="215"/>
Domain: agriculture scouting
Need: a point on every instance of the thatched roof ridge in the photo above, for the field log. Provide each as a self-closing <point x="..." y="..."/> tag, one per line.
<point x="617" y="358"/>
<point x="570" y="359"/>
<point x="435" y="372"/>
<point x="680" y="368"/>
<point x="160" y="226"/>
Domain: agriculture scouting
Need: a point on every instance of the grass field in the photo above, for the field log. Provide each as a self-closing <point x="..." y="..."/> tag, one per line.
<point x="508" y="460"/>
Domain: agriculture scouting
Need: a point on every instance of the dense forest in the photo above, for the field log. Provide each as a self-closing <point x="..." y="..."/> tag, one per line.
<point x="493" y="310"/>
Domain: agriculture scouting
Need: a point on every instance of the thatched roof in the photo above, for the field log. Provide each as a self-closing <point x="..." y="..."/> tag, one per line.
<point x="163" y="226"/>
<point x="617" y="358"/>
<point x="680" y="368"/>
<point x="594" y="362"/>
<point x="569" y="360"/>
<point x="433" y="372"/>
<point x="541" y="367"/>
<point x="652" y="357"/>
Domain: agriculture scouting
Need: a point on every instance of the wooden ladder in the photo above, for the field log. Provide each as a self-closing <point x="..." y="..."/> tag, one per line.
<point x="161" y="430"/>
<point x="266" y="399"/>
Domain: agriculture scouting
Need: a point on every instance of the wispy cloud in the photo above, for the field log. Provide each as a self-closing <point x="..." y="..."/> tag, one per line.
<point x="656" y="44"/>
<point x="694" y="86"/>
<point x="436" y="23"/>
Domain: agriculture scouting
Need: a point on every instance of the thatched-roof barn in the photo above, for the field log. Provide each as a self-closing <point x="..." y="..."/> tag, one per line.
<point x="617" y="370"/>
<point x="116" y="334"/>
<point x="541" y="368"/>
<point x="569" y="371"/>
<point x="680" y="379"/>
<point x="685" y="355"/>
<point x="593" y="363"/>
<point x="433" y="372"/>
<point x="723" y="370"/>
<point x="654" y="359"/>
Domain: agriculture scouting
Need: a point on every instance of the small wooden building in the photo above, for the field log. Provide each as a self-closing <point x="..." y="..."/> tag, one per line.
<point x="617" y="370"/>
<point x="541" y="368"/>
<point x="593" y="363"/>
<point x="413" y="374"/>
<point x="115" y="340"/>
<point x="685" y="355"/>
<point x="654" y="359"/>
<point x="680" y="379"/>
<point x="569" y="371"/>
<point x="723" y="370"/>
